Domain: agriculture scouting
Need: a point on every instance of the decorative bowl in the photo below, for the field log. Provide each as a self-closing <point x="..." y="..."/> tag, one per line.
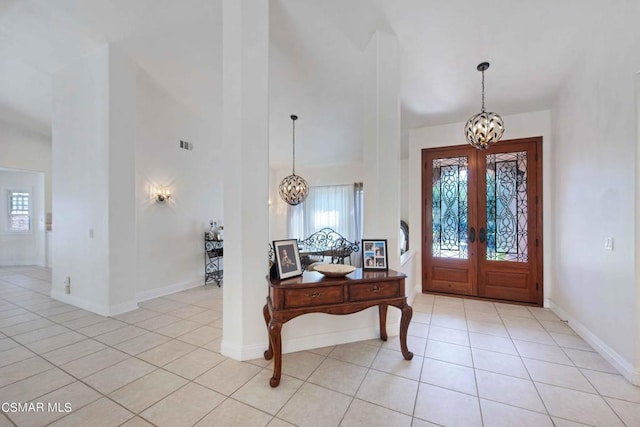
<point x="334" y="270"/>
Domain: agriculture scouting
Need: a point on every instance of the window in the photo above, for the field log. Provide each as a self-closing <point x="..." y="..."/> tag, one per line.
<point x="19" y="209"/>
<point x="338" y="207"/>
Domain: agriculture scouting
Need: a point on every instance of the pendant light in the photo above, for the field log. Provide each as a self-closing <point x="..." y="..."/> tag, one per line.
<point x="484" y="129"/>
<point x="293" y="188"/>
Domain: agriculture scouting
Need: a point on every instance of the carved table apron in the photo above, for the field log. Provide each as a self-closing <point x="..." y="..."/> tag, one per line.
<point x="314" y="293"/>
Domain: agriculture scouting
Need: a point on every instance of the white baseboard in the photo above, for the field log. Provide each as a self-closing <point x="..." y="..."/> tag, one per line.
<point x="610" y="355"/>
<point x="21" y="263"/>
<point x="115" y="310"/>
<point x="167" y="290"/>
<point x="240" y="352"/>
<point x="100" y="309"/>
<point x="255" y="351"/>
<point x="417" y="289"/>
<point x="407" y="256"/>
<point x="125" y="307"/>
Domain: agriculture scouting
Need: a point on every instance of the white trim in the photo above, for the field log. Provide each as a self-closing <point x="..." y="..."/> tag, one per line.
<point x="123" y="308"/>
<point x="255" y="351"/>
<point x="239" y="352"/>
<point x="115" y="310"/>
<point x="168" y="290"/>
<point x="636" y="376"/>
<point x="81" y="303"/>
<point x="103" y="310"/>
<point x="610" y="355"/>
<point x="407" y="256"/>
<point x="417" y="289"/>
<point x="22" y="262"/>
<point x="334" y="338"/>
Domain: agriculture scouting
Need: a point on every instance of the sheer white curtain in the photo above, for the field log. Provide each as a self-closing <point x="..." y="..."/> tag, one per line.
<point x="328" y="206"/>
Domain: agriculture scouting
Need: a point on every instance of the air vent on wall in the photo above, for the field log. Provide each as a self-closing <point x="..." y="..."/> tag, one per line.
<point x="186" y="145"/>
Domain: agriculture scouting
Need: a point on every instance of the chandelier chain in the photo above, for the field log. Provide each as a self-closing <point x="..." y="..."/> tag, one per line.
<point x="294" y="146"/>
<point x="483" y="110"/>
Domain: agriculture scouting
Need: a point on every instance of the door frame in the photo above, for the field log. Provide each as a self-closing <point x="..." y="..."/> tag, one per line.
<point x="426" y="213"/>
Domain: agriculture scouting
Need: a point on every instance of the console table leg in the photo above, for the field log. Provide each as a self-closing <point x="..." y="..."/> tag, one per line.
<point x="382" y="311"/>
<point x="268" y="354"/>
<point x="275" y="343"/>
<point x="407" y="313"/>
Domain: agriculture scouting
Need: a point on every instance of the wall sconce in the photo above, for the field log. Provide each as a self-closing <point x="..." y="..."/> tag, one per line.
<point x="161" y="194"/>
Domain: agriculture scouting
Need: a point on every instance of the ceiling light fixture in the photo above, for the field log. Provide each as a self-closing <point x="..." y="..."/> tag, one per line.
<point x="484" y="129"/>
<point x="293" y="188"/>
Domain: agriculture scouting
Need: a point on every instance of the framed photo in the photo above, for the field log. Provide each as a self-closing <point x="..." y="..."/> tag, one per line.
<point x="374" y="254"/>
<point x="287" y="258"/>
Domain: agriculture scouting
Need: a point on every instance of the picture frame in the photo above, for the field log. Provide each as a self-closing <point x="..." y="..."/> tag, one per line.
<point x="374" y="254"/>
<point x="287" y="258"/>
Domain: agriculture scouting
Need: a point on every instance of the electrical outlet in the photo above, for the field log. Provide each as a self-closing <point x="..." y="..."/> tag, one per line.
<point x="67" y="285"/>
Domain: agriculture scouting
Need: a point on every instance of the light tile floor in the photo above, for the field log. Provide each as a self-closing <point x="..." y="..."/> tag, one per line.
<point x="476" y="363"/>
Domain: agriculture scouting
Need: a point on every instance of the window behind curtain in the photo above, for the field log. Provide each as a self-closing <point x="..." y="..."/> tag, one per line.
<point x="332" y="206"/>
<point x="19" y="208"/>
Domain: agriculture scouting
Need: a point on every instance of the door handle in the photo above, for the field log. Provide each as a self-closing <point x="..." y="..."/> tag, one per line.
<point x="483" y="235"/>
<point x="472" y="235"/>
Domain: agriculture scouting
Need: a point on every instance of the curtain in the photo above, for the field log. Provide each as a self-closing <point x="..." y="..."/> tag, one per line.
<point x="358" y="209"/>
<point x="330" y="206"/>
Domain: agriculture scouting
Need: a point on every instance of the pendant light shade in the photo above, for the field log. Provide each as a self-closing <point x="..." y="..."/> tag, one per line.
<point x="485" y="128"/>
<point x="294" y="189"/>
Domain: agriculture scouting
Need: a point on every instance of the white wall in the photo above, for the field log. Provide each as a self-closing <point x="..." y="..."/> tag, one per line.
<point x="404" y="190"/>
<point x="22" y="248"/>
<point x="595" y="180"/>
<point x="170" y="253"/>
<point x="80" y="140"/>
<point x="26" y="150"/>
<point x="517" y="126"/>
<point x="115" y="135"/>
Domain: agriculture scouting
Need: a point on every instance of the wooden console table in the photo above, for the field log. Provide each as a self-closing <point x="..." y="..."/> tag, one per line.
<point x="314" y="293"/>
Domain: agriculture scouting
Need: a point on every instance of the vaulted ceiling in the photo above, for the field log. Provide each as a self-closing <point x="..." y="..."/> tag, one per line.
<point x="316" y="58"/>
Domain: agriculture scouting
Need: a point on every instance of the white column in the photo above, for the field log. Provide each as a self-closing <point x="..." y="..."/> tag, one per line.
<point x="122" y="190"/>
<point x="245" y="96"/>
<point x="93" y="142"/>
<point x="381" y="156"/>
<point x="636" y="377"/>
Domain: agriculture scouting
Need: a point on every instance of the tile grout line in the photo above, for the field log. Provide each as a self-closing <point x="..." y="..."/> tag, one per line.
<point x="535" y="386"/>
<point x="424" y="357"/>
<point x="473" y="362"/>
<point x="88" y="385"/>
<point x="369" y="368"/>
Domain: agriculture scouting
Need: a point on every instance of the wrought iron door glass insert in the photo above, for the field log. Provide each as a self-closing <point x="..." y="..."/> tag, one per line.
<point x="450" y="207"/>
<point x="507" y="207"/>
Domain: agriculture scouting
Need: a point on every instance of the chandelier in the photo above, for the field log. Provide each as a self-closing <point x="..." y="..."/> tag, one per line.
<point x="484" y="129"/>
<point x="293" y="188"/>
